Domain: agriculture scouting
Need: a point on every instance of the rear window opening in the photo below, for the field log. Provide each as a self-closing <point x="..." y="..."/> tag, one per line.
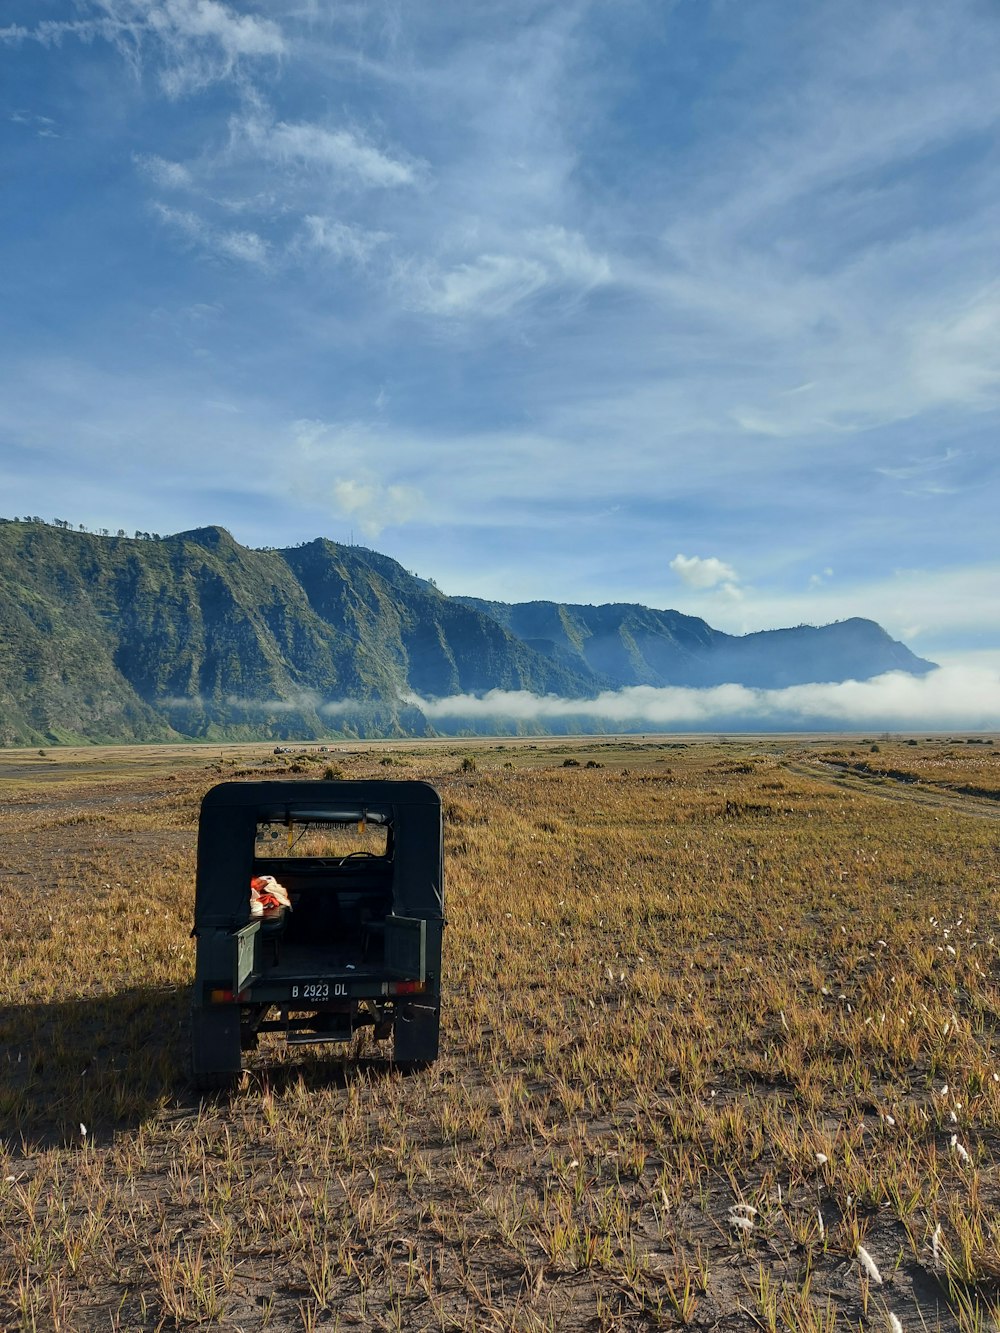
<point x="337" y="870"/>
<point x="324" y="840"/>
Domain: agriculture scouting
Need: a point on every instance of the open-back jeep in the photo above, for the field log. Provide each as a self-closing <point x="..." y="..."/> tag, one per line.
<point x="360" y="945"/>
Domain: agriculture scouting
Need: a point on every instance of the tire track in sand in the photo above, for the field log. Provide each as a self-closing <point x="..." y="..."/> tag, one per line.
<point x="894" y="789"/>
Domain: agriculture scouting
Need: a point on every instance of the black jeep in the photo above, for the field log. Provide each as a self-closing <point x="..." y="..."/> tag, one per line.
<point x="341" y="929"/>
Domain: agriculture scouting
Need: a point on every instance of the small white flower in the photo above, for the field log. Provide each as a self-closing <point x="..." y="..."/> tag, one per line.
<point x="936" y="1245"/>
<point x="83" y="1130"/>
<point x="868" y="1264"/>
<point x="894" y="1323"/>
<point x="960" y="1152"/>
<point x="822" y="1158"/>
<point x="741" y="1216"/>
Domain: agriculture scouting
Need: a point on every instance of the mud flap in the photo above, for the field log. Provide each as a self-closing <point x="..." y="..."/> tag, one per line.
<point x="415" y="1034"/>
<point x="216" y="1059"/>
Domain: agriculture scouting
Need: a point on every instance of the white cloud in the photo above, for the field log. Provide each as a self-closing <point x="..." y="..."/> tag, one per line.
<point x="194" y="42"/>
<point x="960" y="604"/>
<point x="493" y="284"/>
<point x="919" y="467"/>
<point x="374" y="506"/>
<point x="181" y="26"/>
<point x="43" y="126"/>
<point x="957" y="697"/>
<point x="303" y="701"/>
<point x="703" y="571"/>
<point x="341" y="241"/>
<point x="237" y="34"/>
<point x="806" y="242"/>
<point x="956" y="358"/>
<point x="245" y="246"/>
<point x="342" y="151"/>
<point x="490" y="285"/>
<point x="167" y="175"/>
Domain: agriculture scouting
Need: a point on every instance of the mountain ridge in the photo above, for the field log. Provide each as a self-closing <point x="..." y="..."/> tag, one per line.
<point x="639" y="645"/>
<point x="113" y="638"/>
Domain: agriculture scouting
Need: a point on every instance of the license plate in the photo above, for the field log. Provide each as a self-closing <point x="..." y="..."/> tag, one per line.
<point x="318" y="991"/>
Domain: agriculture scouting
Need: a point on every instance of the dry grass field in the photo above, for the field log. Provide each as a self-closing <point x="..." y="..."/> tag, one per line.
<point x="720" y="1050"/>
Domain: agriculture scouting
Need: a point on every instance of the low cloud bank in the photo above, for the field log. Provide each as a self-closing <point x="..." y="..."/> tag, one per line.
<point x="950" y="698"/>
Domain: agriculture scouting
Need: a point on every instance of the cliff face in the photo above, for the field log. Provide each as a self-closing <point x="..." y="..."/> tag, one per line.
<point x="121" y="639"/>
<point x="113" y="638"/>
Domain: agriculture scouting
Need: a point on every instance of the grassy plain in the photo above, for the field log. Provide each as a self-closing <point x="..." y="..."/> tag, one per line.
<point x="719" y="1051"/>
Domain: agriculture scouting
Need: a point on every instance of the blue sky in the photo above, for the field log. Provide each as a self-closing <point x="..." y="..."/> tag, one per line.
<point x="691" y="304"/>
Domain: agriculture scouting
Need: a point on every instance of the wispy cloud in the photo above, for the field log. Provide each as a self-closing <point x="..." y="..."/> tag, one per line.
<point x="340" y="241"/>
<point x="245" y="246"/>
<point x="43" y="126"/>
<point x="236" y="34"/>
<point x="345" y="152"/>
<point x="302" y="701"/>
<point x="167" y="175"/>
<point x="492" y="284"/>
<point x="919" y="467"/>
<point x="191" y="43"/>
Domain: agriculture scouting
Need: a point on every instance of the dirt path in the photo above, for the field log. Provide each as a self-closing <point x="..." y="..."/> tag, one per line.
<point x="895" y="789"/>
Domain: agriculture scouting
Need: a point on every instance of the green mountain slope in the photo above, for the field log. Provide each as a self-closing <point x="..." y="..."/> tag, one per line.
<point x="115" y="638"/>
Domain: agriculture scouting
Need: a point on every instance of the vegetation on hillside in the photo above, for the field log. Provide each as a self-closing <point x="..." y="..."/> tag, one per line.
<point x="115" y="638"/>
